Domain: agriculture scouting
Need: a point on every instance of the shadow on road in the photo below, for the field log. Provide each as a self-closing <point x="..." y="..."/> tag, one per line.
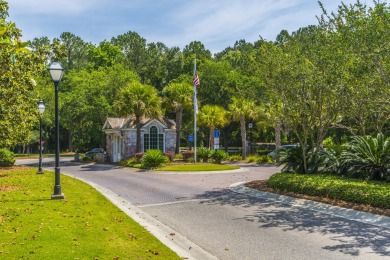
<point x="351" y="236"/>
<point x="107" y="167"/>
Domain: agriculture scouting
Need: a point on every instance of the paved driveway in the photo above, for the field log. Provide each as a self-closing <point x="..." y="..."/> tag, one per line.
<point x="203" y="214"/>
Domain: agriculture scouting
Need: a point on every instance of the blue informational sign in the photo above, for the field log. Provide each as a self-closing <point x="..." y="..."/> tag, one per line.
<point x="191" y="138"/>
<point x="216" y="133"/>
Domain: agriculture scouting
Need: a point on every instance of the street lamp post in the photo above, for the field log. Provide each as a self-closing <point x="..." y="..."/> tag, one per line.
<point x="41" y="109"/>
<point x="56" y="72"/>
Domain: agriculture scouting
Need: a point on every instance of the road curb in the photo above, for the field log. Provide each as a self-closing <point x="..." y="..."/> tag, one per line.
<point x="350" y="214"/>
<point x="182" y="246"/>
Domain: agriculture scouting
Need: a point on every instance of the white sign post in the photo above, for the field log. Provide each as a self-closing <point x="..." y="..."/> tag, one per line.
<point x="216" y="139"/>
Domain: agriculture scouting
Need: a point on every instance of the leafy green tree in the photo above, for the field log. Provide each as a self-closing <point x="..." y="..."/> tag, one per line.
<point x="86" y="102"/>
<point x="307" y="77"/>
<point x="19" y="66"/>
<point x="174" y="62"/>
<point x="133" y="46"/>
<point x="192" y="50"/>
<point x="212" y="116"/>
<point x="215" y="88"/>
<point x="104" y="55"/>
<point x="153" y="70"/>
<point x="139" y="100"/>
<point x="240" y="109"/>
<point x="179" y="97"/>
<point x="363" y="39"/>
<point x="76" y="51"/>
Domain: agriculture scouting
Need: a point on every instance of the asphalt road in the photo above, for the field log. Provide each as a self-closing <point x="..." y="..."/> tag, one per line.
<point x="202" y="210"/>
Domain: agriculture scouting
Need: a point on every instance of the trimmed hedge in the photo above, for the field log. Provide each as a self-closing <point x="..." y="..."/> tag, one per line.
<point x="373" y="193"/>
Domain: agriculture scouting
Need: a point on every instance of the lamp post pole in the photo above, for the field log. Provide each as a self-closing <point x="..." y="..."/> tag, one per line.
<point x="41" y="109"/>
<point x="56" y="72"/>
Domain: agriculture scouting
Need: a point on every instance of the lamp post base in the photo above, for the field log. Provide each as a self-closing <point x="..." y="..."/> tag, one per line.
<point x="57" y="196"/>
<point x="40" y="172"/>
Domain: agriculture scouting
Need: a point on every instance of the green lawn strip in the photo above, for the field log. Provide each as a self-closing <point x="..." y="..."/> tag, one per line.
<point x="85" y="225"/>
<point x="373" y="193"/>
<point x="197" y="167"/>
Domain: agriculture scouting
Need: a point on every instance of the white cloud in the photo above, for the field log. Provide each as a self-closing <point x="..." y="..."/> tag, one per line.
<point x="211" y="22"/>
<point x="217" y="24"/>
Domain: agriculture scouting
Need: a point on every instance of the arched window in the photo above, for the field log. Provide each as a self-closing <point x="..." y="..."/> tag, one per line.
<point x="153" y="140"/>
<point x="153" y="137"/>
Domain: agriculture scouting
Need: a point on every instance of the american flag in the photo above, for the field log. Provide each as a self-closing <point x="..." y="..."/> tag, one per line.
<point x="196" y="80"/>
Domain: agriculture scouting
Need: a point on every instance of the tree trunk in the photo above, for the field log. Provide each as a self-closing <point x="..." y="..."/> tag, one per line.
<point x="70" y="141"/>
<point x="243" y="136"/>
<point x="179" y="116"/>
<point x="138" y="143"/>
<point x="278" y="141"/>
<point x="225" y="138"/>
<point x="211" y="138"/>
<point x="45" y="140"/>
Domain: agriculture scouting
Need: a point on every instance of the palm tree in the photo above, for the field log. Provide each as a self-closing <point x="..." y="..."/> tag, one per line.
<point x="240" y="109"/>
<point x="271" y="114"/>
<point x="140" y="100"/>
<point x="180" y="97"/>
<point x="212" y="116"/>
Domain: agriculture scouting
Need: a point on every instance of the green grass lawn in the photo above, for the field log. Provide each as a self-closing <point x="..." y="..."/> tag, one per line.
<point x="197" y="167"/>
<point x="85" y="225"/>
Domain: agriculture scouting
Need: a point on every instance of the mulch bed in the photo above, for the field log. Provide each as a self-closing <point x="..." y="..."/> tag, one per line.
<point x="262" y="185"/>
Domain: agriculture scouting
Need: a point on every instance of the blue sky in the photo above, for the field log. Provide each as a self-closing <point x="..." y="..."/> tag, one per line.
<point x="216" y="23"/>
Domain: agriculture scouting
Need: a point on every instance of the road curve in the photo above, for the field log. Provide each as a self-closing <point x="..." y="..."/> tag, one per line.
<point x="210" y="221"/>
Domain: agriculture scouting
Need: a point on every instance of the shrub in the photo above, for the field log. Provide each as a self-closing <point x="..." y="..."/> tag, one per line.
<point x="154" y="158"/>
<point x="203" y="154"/>
<point x="330" y="161"/>
<point x="371" y="193"/>
<point x="367" y="157"/>
<point x="170" y="156"/>
<point x="219" y="155"/>
<point x="178" y="156"/>
<point x="234" y="158"/>
<point x="187" y="155"/>
<point x="294" y="163"/>
<point x="138" y="156"/>
<point x="6" y="158"/>
<point x="129" y="162"/>
<point x="251" y="158"/>
<point x="264" y="159"/>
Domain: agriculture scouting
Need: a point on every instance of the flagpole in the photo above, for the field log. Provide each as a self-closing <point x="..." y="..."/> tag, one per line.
<point x="195" y="108"/>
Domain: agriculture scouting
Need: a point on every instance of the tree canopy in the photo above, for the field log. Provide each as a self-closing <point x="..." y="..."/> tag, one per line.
<point x="327" y="80"/>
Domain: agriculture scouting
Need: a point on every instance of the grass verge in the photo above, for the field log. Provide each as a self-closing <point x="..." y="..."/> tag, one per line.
<point x="197" y="167"/>
<point x="85" y="225"/>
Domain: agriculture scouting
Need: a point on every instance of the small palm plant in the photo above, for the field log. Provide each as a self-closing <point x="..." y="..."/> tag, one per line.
<point x="154" y="158"/>
<point x="330" y="161"/>
<point x="294" y="162"/>
<point x="203" y="154"/>
<point x="368" y="157"/>
<point x="219" y="155"/>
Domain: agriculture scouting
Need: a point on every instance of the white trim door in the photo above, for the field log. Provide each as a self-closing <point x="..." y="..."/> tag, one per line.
<point x="116" y="149"/>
